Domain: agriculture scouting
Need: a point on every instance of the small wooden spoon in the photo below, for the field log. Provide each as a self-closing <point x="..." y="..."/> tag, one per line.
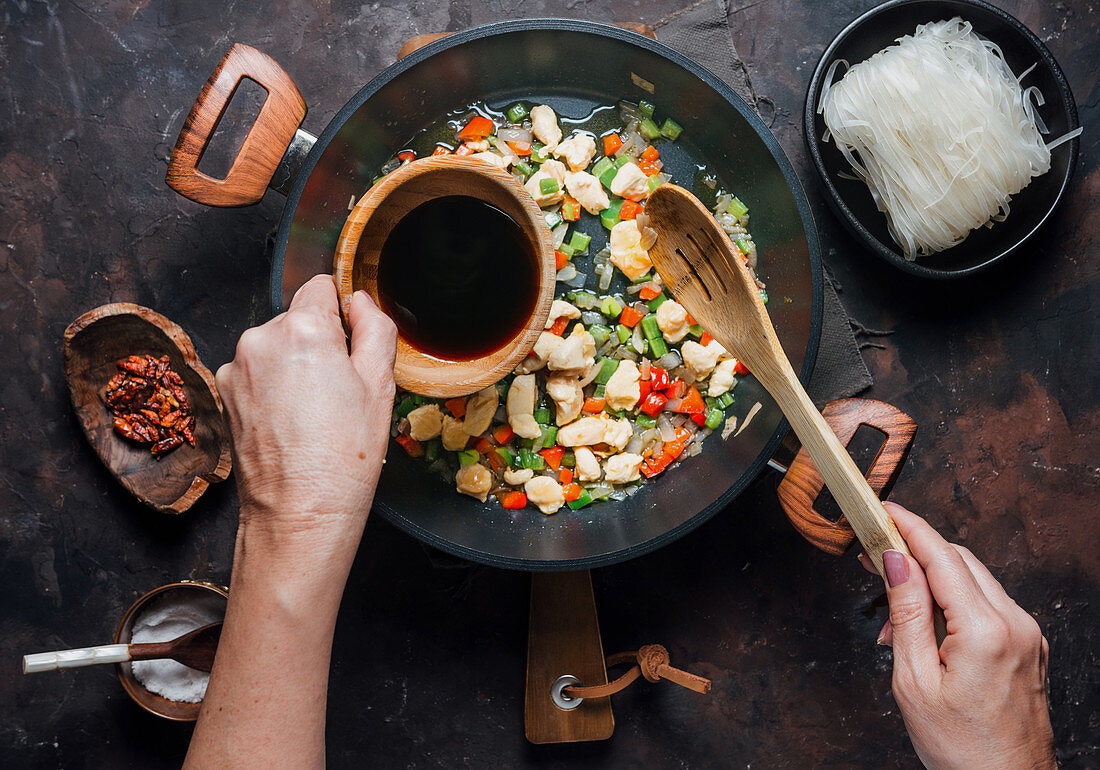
<point x="195" y="649"/>
<point x="697" y="262"/>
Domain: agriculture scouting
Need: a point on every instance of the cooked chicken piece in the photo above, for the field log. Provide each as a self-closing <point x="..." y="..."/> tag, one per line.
<point x="624" y="390"/>
<point x="566" y="391"/>
<point x="534" y="187"/>
<point x="587" y="341"/>
<point x="722" y="379"/>
<point x="474" y="480"/>
<point x="492" y="158"/>
<point x="699" y="359"/>
<point x="559" y="308"/>
<point x="587" y="190"/>
<point x="622" y="468"/>
<point x="540" y="354"/>
<point x="556" y="169"/>
<point x="617" y="433"/>
<point x="521" y="407"/>
<point x="630" y="182"/>
<point x="545" y="493"/>
<point x="627" y="253"/>
<point x="425" y="422"/>
<point x="544" y="124"/>
<point x="518" y="477"/>
<point x="588" y="467"/>
<point x="578" y="151"/>
<point x="672" y="320"/>
<point x="480" y="409"/>
<point x="584" y="432"/>
<point x="568" y="357"/>
<point x="454" y="432"/>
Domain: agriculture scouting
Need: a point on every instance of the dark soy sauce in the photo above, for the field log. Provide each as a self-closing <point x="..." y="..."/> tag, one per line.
<point x="458" y="277"/>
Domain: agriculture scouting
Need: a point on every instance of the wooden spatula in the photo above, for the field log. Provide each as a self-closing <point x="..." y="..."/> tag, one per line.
<point x="701" y="268"/>
<point x="195" y="649"/>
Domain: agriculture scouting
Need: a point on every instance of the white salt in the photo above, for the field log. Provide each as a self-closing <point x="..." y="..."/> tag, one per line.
<point x="172" y="615"/>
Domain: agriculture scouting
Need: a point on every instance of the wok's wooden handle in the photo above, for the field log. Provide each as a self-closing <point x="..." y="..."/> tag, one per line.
<point x="419" y="41"/>
<point x="802" y="483"/>
<point x="282" y="112"/>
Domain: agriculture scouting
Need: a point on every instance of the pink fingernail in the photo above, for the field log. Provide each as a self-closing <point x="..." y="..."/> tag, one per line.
<point x="882" y="634"/>
<point x="896" y="567"/>
<point x="366" y="294"/>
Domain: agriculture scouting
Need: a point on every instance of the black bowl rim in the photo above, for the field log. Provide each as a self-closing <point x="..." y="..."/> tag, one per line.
<point x="845" y="214"/>
<point x="813" y="246"/>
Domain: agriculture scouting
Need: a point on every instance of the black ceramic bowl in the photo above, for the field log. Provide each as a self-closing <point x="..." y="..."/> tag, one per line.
<point x="1030" y="209"/>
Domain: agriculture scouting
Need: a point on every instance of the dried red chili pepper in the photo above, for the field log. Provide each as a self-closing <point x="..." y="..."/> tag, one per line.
<point x="148" y="404"/>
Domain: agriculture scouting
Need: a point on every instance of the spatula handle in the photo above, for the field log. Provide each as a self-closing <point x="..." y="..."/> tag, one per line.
<point x="85" y="656"/>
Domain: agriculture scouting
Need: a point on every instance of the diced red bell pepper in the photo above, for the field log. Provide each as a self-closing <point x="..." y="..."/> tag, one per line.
<point x="740" y="368"/>
<point x="630" y="210"/>
<point x="411" y="446"/>
<point x="496" y="462"/>
<point x="653" y="404"/>
<point x="478" y="128"/>
<point x="570" y="209"/>
<point x="659" y="379"/>
<point x="514" y="501"/>
<point x="611" y="144"/>
<point x="631" y="316"/>
<point x="553" y="456"/>
<point x="649" y="167"/>
<point x="593" y="405"/>
<point x="442" y="149"/>
<point x="650" y="153"/>
<point x="565" y="476"/>
<point x="464" y="150"/>
<point x="522" y="149"/>
<point x="503" y="434"/>
<point x="650" y="290"/>
<point x="456" y="406"/>
<point x="705" y="339"/>
<point x="561" y="259"/>
<point x="484" y="447"/>
<point x="699" y="418"/>
<point x="406" y="155"/>
<point x="692" y="402"/>
<point x="668" y="454"/>
<point x="691" y="320"/>
<point x="559" y="326"/>
<point x="571" y="492"/>
<point x="645" y="386"/>
<point x="676" y="389"/>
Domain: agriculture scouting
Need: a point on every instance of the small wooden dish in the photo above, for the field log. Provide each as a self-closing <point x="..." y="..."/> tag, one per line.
<point x="150" y="701"/>
<point x="375" y="215"/>
<point x="93" y="344"/>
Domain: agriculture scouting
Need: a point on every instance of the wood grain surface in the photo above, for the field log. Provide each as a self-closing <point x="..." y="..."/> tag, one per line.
<point x="93" y="344"/>
<point x="355" y="265"/>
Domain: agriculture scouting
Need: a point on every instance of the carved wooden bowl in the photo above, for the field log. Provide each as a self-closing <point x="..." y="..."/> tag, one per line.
<point x="375" y="215"/>
<point x="93" y="344"/>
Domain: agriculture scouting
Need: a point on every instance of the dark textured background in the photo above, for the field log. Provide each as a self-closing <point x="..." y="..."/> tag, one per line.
<point x="1000" y="373"/>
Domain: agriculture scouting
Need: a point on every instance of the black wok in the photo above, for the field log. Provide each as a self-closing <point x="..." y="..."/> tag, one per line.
<point x="573" y="66"/>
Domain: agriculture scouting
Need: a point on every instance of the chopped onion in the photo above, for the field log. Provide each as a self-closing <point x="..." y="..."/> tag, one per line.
<point x="605" y="277"/>
<point x="590" y="317"/>
<point x="593" y="372"/>
<point x="664" y="427"/>
<point x="586" y="300"/>
<point x="710" y="181"/>
<point x="600" y="491"/>
<point x="514" y="135"/>
<point x="642" y="220"/>
<point x="618" y="495"/>
<point x="644" y="368"/>
<point x="649" y="237"/>
<point x="669" y="360"/>
<point x="634" y="446"/>
<point x="567" y="273"/>
<point x="632" y="489"/>
<point x="629" y="111"/>
<point x="578" y="281"/>
<point x="559" y="234"/>
<point x="673" y="404"/>
<point x="605" y="348"/>
<point x="694" y="449"/>
<point x="637" y="339"/>
<point x="683" y="373"/>
<point x="678" y="420"/>
<point x="691" y="426"/>
<point x="624" y="353"/>
<point x="635" y="288"/>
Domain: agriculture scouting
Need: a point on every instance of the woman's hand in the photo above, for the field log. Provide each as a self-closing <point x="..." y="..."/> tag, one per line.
<point x="981" y="699"/>
<point x="310" y="422"/>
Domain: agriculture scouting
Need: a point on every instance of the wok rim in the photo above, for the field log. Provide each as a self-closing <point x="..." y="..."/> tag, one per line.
<point x="407" y="524"/>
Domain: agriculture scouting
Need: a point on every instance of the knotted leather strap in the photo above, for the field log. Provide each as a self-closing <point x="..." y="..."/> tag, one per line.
<point x="651" y="662"/>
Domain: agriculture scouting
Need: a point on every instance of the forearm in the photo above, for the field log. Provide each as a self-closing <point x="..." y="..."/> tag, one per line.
<point x="266" y="701"/>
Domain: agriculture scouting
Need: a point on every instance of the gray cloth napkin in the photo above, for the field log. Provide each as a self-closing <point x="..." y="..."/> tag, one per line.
<point x="701" y="32"/>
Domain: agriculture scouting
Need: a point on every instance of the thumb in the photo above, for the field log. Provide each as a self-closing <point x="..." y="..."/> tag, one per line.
<point x="911" y="625"/>
<point x="373" y="338"/>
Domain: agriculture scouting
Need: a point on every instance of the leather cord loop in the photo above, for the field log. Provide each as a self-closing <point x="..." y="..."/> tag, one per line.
<point x="650" y="662"/>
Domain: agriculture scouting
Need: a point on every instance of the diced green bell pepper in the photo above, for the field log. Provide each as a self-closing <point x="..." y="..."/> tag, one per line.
<point x="524" y="168"/>
<point x="624" y="332"/>
<point x="432" y="449"/>
<point x="737" y="208"/>
<point x="528" y="459"/>
<point x="715" y="418"/>
<point x="468" y="456"/>
<point x="580" y="502"/>
<point x="407" y="405"/>
<point x="649" y="129"/>
<point x="652" y="334"/>
<point x="553" y="219"/>
<point x="645" y="109"/>
<point x="607" y="368"/>
<point x="506" y="455"/>
<point x="600" y="334"/>
<point x="657" y="301"/>
<point x="609" y="217"/>
<point x="542" y="416"/>
<point x="517" y="112"/>
<point x="610" y="307"/>
<point x="567" y="250"/>
<point x="602" y="165"/>
<point x="670" y="129"/>
<point x="579" y="242"/>
<point x="696" y="330"/>
<point x="645" y="420"/>
<point x="725" y="400"/>
<point x="569" y="460"/>
<point x="539" y="154"/>
<point x="548" y="186"/>
<point x="764" y="296"/>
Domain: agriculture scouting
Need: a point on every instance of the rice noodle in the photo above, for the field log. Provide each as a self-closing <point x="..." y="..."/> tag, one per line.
<point x="941" y="132"/>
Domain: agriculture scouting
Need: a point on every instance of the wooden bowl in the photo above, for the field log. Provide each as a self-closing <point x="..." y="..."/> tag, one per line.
<point x="101" y="337"/>
<point x="150" y="701"/>
<point x="375" y="215"/>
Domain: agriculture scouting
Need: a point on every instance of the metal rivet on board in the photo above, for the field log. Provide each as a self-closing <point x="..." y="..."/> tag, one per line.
<point x="557" y="694"/>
